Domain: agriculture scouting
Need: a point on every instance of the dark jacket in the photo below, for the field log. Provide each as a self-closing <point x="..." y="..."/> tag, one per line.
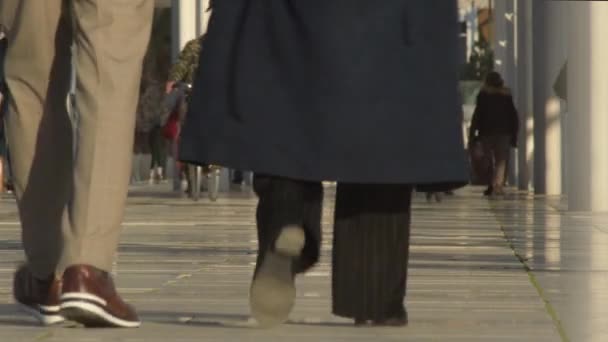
<point x="356" y="91"/>
<point x="495" y="114"/>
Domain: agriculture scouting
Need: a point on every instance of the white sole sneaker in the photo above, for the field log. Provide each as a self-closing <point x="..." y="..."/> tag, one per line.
<point x="46" y="315"/>
<point x="273" y="291"/>
<point x="90" y="311"/>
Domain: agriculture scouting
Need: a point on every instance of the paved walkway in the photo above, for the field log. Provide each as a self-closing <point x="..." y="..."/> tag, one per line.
<point x="514" y="270"/>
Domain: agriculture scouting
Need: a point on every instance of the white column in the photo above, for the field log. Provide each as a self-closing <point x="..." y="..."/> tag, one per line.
<point x="499" y="39"/>
<point x="470" y="18"/>
<point x="202" y="16"/>
<point x="510" y="73"/>
<point x="588" y="106"/>
<point x="504" y="50"/>
<point x="504" y="40"/>
<point x="548" y="58"/>
<point x="184" y="23"/>
<point x="523" y="92"/>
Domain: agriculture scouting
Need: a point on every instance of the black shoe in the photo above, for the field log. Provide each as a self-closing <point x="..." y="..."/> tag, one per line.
<point x="273" y="292"/>
<point x="396" y="321"/>
<point x="38" y="298"/>
<point x="400" y="321"/>
<point x="488" y="191"/>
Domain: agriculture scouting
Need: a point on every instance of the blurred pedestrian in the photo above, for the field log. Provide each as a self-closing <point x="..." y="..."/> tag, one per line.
<point x="151" y="111"/>
<point x="151" y="107"/>
<point x="495" y="124"/>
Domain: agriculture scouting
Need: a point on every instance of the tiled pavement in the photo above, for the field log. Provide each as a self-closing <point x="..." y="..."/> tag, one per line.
<point x="514" y="270"/>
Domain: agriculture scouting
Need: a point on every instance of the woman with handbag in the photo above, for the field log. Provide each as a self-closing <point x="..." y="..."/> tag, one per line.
<point x="495" y="125"/>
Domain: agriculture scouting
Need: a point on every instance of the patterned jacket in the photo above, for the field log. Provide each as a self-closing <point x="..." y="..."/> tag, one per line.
<point x="184" y="69"/>
<point x="150" y="109"/>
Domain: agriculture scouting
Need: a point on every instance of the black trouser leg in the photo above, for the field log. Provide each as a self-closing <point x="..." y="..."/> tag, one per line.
<point x="371" y="251"/>
<point x="284" y="202"/>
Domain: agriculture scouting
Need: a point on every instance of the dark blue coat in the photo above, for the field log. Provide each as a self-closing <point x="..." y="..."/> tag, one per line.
<point x="361" y="91"/>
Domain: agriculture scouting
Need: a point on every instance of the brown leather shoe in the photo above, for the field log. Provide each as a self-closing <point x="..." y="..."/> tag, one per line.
<point x="38" y="298"/>
<point x="89" y="297"/>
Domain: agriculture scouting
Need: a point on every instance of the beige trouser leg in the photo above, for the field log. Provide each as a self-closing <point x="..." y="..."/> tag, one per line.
<point x="71" y="207"/>
<point x="39" y="131"/>
<point x="7" y="12"/>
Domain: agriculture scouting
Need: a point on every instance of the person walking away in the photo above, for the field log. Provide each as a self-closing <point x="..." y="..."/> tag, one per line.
<point x="151" y="105"/>
<point x="495" y="123"/>
<point x="151" y="110"/>
<point x="278" y="92"/>
<point x="71" y="204"/>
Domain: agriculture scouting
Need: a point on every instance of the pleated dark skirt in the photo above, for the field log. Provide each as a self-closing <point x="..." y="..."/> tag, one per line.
<point x="370" y="251"/>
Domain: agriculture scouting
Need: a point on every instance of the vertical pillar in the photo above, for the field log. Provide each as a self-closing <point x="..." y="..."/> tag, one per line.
<point x="202" y="16"/>
<point x="548" y="58"/>
<point x="504" y="49"/>
<point x="184" y="23"/>
<point x="588" y="106"/>
<point x="470" y="18"/>
<point x="510" y="73"/>
<point x="523" y="92"/>
<point x="499" y="38"/>
<point x="504" y="40"/>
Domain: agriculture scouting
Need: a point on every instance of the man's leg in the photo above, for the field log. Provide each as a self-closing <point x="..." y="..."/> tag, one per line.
<point x="111" y="39"/>
<point x="38" y="126"/>
<point x="40" y="139"/>
<point x="8" y="9"/>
